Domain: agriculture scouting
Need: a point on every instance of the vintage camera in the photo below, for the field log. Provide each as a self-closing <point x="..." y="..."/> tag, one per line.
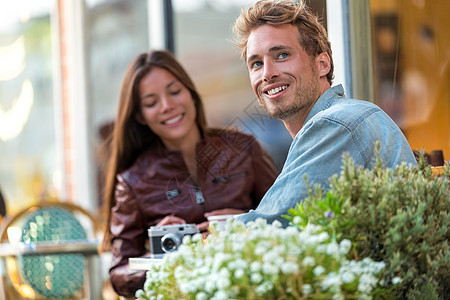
<point x="167" y="238"/>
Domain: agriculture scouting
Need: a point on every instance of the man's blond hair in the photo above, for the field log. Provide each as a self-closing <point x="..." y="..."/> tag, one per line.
<point x="312" y="35"/>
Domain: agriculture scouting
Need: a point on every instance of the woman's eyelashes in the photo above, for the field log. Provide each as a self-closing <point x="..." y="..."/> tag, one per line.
<point x="175" y="92"/>
<point x="150" y="104"/>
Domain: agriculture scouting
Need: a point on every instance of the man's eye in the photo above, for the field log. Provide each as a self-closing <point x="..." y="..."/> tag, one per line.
<point x="283" y="55"/>
<point x="256" y="64"/>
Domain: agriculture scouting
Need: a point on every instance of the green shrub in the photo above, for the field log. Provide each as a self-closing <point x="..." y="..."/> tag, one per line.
<point x="398" y="216"/>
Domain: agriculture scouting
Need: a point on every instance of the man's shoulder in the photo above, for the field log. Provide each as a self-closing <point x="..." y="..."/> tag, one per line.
<point x="347" y="106"/>
<point x="349" y="112"/>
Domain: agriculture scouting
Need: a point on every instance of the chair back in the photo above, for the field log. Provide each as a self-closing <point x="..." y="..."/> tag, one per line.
<point x="50" y="276"/>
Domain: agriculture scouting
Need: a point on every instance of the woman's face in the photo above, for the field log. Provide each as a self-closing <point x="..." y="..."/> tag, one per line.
<point x="167" y="107"/>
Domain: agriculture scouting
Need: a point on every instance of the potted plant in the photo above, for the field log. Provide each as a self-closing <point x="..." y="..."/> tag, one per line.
<point x="375" y="234"/>
<point x="262" y="261"/>
<point x="398" y="216"/>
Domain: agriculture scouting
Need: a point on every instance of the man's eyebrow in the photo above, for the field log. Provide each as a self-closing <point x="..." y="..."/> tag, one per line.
<point x="253" y="57"/>
<point x="272" y="49"/>
<point x="279" y="47"/>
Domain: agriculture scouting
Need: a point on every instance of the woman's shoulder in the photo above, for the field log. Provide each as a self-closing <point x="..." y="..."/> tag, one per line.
<point x="140" y="167"/>
<point x="229" y="140"/>
<point x="228" y="134"/>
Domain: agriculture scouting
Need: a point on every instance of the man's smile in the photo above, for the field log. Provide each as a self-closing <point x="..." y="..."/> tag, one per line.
<point x="276" y="90"/>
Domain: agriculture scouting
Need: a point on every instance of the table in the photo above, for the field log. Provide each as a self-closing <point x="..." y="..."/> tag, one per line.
<point x="88" y="248"/>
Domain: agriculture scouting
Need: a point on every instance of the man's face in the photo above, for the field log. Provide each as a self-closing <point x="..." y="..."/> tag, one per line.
<point x="282" y="75"/>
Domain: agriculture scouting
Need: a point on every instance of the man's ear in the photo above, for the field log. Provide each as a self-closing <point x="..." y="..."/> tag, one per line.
<point x="323" y="64"/>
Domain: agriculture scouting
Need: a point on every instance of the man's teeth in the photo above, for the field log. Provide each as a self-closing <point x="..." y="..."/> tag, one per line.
<point x="174" y="120"/>
<point x="277" y="90"/>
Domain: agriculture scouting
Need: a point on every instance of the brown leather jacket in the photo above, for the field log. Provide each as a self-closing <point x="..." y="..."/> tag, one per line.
<point x="233" y="172"/>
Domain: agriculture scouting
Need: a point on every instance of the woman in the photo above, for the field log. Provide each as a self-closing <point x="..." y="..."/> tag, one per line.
<point x="168" y="167"/>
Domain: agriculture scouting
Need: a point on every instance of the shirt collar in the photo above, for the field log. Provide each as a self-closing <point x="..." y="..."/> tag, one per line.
<point x="325" y="100"/>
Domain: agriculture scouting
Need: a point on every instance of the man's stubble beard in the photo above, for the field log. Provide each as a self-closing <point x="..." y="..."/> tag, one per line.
<point x="306" y="95"/>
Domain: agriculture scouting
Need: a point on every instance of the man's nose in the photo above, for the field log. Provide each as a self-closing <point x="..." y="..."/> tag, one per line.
<point x="270" y="70"/>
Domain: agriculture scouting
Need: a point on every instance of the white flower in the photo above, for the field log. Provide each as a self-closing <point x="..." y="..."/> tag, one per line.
<point x="269" y="268"/>
<point x="201" y="296"/>
<point x="307" y="289"/>
<point x="318" y="270"/>
<point x="331" y="282"/>
<point x="297" y="220"/>
<point x="366" y="283"/>
<point x="323" y="237"/>
<point x="255" y="266"/>
<point x="256" y="277"/>
<point x="223" y="280"/>
<point x="196" y="237"/>
<point x="239" y="273"/>
<point x="277" y="224"/>
<point x="333" y="249"/>
<point x="347" y="277"/>
<point x="309" y="261"/>
<point x="270" y="256"/>
<point x="264" y="287"/>
<point x="262" y="247"/>
<point x="289" y="268"/>
<point x="260" y="257"/>
<point x="220" y="295"/>
<point x="396" y="280"/>
<point x="338" y="296"/>
<point x="345" y="246"/>
<point x="210" y="286"/>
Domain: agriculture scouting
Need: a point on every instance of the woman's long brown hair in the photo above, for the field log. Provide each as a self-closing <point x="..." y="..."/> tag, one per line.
<point x="130" y="138"/>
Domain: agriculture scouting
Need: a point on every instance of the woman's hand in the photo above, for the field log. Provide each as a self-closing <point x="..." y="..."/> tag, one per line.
<point x="171" y="220"/>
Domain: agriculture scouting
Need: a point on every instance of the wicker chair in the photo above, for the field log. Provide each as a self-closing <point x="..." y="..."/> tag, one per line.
<point x="53" y="253"/>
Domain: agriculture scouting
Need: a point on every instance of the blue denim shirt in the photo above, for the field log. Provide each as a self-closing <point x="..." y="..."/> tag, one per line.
<point x="335" y="125"/>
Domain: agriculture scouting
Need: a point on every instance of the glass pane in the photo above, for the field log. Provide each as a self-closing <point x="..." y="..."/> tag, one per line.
<point x="116" y="32"/>
<point x="412" y="72"/>
<point x="27" y="132"/>
<point x="203" y="43"/>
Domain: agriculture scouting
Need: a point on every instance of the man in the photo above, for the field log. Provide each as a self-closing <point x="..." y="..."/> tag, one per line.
<point x="288" y="56"/>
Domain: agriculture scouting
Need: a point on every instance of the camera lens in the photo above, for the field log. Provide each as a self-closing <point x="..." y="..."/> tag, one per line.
<point x="170" y="242"/>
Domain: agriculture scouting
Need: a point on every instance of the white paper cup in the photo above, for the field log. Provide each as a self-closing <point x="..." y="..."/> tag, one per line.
<point x="221" y="220"/>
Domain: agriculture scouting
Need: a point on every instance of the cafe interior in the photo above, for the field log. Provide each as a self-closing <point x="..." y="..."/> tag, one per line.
<point x="61" y="67"/>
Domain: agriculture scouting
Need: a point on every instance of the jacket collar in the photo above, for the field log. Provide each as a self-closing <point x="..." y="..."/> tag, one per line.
<point x="325" y="100"/>
<point x="162" y="150"/>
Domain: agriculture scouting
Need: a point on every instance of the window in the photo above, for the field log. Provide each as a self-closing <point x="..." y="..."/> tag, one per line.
<point x="203" y="44"/>
<point x="116" y="32"/>
<point x="412" y="68"/>
<point x="28" y="150"/>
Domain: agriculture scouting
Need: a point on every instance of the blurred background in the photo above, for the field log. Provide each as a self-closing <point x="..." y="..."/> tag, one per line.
<point x="62" y="62"/>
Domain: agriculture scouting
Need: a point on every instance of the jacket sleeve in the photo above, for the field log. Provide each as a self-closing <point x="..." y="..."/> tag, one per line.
<point x="264" y="171"/>
<point x="129" y="235"/>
